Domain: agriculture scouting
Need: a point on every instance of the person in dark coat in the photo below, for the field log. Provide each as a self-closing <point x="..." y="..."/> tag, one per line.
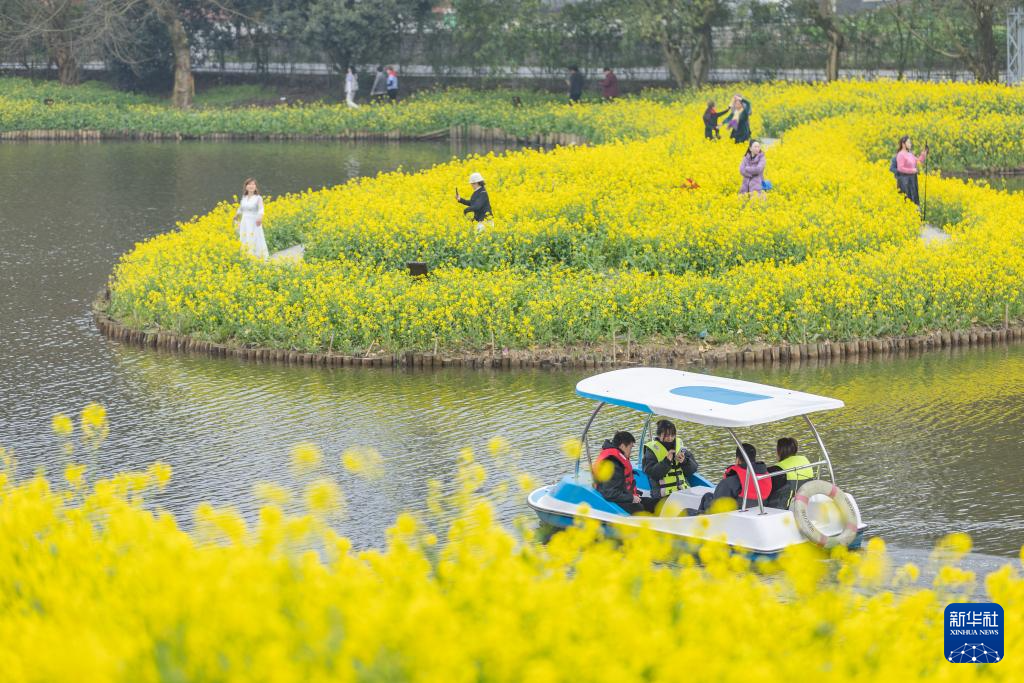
<point x="675" y="464"/>
<point x="731" y="486"/>
<point x="575" y="83"/>
<point x="609" y="85"/>
<point x="739" y="119"/>
<point x="711" y="121"/>
<point x="478" y="206"/>
<point x="615" y="481"/>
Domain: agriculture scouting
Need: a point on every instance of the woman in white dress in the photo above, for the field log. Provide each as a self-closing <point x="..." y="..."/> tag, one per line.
<point x="351" y="86"/>
<point x="249" y="220"/>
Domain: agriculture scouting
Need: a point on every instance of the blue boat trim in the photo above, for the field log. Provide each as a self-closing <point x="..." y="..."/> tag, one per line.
<point x="729" y="397"/>
<point x="616" y="402"/>
<point x="568" y="491"/>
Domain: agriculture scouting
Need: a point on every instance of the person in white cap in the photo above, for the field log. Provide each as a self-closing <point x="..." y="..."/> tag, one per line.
<point x="478" y="206"/>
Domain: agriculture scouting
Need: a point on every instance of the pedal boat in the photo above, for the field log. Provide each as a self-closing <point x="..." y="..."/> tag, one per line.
<point x="711" y="401"/>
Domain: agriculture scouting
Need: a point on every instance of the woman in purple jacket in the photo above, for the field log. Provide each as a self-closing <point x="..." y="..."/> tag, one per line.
<point x="752" y="170"/>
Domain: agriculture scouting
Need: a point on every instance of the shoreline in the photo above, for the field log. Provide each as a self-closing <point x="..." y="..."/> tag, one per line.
<point x="606" y="355"/>
<point x="464" y="133"/>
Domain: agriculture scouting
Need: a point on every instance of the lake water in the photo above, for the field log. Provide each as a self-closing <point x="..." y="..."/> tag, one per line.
<point x="928" y="445"/>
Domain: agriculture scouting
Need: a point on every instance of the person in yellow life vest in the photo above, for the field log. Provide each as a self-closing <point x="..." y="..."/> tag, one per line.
<point x="783" y="487"/>
<point x="666" y="463"/>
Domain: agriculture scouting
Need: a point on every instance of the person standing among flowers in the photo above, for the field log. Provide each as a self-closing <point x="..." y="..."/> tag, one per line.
<point x="478" y="206"/>
<point x="906" y="168"/>
<point x="752" y="170"/>
<point x="739" y="119"/>
<point x="609" y="85"/>
<point x="392" y="85"/>
<point x="575" y="83"/>
<point x="249" y="220"/>
<point x="711" y="121"/>
<point x="351" y="86"/>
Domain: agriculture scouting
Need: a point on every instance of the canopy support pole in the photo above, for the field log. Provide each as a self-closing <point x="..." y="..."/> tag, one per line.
<point x="824" y="451"/>
<point x="643" y="440"/>
<point x="750" y="476"/>
<point x="586" y="445"/>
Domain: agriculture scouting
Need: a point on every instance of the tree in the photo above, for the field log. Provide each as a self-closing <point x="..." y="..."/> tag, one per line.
<point x="171" y="13"/>
<point x="966" y="33"/>
<point x="494" y="34"/>
<point x="61" y="27"/>
<point x="348" y="32"/>
<point x="822" y="14"/>
<point x="683" y="31"/>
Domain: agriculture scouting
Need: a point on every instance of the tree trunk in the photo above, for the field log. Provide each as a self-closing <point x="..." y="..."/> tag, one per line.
<point x="674" y="62"/>
<point x="64" y="57"/>
<point x="700" y="67"/>
<point x="58" y="41"/>
<point x="835" y="47"/>
<point x="985" y="69"/>
<point x="184" y="86"/>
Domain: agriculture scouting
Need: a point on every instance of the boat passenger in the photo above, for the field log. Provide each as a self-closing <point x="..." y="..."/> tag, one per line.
<point x="616" y="484"/>
<point x="666" y="463"/>
<point x="783" y="488"/>
<point x="738" y="484"/>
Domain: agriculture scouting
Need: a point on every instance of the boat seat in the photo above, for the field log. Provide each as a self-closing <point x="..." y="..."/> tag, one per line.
<point x="568" y="491"/>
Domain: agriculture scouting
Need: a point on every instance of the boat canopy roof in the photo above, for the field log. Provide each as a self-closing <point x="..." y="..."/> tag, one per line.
<point x="699" y="398"/>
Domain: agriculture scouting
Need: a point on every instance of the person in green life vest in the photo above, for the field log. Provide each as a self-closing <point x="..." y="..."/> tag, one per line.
<point x="666" y="463"/>
<point x="783" y="487"/>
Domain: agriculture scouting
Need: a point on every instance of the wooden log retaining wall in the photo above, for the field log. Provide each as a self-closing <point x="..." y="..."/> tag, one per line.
<point x="471" y="133"/>
<point x="680" y="356"/>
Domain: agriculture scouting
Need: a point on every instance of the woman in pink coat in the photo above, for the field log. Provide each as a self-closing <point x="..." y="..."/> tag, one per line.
<point x="906" y="168"/>
<point x="752" y="170"/>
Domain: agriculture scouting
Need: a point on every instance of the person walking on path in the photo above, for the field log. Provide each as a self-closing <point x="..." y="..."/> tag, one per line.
<point x="351" y="86"/>
<point x="575" y="83"/>
<point x="752" y="170"/>
<point x="379" y="88"/>
<point x="478" y="206"/>
<point x="711" y="121"/>
<point x="739" y="119"/>
<point x="249" y="221"/>
<point x="609" y="85"/>
<point x="906" y="168"/>
<point x="392" y="84"/>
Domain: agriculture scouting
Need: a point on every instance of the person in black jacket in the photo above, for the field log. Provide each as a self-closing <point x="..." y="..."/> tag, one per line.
<point x="613" y="475"/>
<point x="478" y="206"/>
<point x="711" y="121"/>
<point x="575" y="83"/>
<point x="732" y="487"/>
<point x="666" y="463"/>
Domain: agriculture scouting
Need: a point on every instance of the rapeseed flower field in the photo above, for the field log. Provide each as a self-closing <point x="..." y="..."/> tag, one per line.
<point x="98" y="585"/>
<point x="590" y="243"/>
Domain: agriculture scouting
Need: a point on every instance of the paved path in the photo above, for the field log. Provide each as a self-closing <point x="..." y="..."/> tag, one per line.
<point x="929" y="233"/>
<point x="294" y="254"/>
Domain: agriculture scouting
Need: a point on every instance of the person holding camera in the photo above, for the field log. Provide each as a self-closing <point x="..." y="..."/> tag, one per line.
<point x="666" y="463"/>
<point x="478" y="206"/>
<point x="906" y="168"/>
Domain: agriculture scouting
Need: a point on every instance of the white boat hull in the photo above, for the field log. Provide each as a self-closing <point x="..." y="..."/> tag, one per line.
<point x="746" y="531"/>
